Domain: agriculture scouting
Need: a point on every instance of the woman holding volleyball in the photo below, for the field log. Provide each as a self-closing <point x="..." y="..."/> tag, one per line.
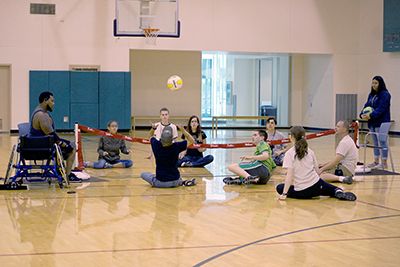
<point x="379" y="101"/>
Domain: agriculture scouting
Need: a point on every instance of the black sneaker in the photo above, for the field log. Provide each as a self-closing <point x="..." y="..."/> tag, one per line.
<point x="190" y="182"/>
<point x="345" y="196"/>
<point x="233" y="181"/>
<point x="252" y="179"/>
<point x="348" y="179"/>
<point x="73" y="179"/>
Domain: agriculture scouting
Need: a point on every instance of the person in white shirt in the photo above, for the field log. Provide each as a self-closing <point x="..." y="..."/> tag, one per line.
<point x="343" y="166"/>
<point x="301" y="164"/>
<point x="158" y="127"/>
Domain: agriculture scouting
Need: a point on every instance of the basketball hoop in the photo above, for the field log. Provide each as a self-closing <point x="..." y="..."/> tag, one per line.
<point x="151" y="35"/>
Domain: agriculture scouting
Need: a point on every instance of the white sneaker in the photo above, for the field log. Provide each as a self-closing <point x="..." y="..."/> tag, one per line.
<point x="82" y="175"/>
<point x="373" y="164"/>
<point x="379" y="166"/>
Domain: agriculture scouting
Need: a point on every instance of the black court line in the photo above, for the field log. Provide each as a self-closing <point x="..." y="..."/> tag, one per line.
<point x="186" y="248"/>
<point x="286" y="234"/>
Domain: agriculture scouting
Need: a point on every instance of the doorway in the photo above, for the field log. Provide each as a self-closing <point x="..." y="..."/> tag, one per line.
<point x="5" y="98"/>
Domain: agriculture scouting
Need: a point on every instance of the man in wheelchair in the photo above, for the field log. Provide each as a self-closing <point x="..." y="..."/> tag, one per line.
<point x="42" y="124"/>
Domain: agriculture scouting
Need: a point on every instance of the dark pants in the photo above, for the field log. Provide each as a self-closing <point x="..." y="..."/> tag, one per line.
<point x="196" y="161"/>
<point x="262" y="172"/>
<point x="320" y="188"/>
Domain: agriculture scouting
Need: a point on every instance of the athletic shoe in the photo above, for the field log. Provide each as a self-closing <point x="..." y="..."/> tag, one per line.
<point x="107" y="165"/>
<point x="190" y="182"/>
<point x="251" y="179"/>
<point x="373" y="164"/>
<point x="348" y="179"/>
<point x="81" y="175"/>
<point x="73" y="179"/>
<point x="187" y="164"/>
<point x="233" y="181"/>
<point x="86" y="164"/>
<point x="379" y="166"/>
<point x="345" y="196"/>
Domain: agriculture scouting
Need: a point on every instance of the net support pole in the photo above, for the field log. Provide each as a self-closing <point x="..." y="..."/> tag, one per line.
<point x="78" y="144"/>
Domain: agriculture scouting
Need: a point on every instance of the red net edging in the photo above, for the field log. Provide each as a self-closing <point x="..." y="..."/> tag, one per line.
<point x="226" y="146"/>
<point x="235" y="145"/>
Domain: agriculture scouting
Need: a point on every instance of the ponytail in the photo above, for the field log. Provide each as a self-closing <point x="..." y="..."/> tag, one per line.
<point x="301" y="145"/>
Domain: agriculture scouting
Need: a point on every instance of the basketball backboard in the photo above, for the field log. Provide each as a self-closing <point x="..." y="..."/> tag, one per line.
<point x="132" y="16"/>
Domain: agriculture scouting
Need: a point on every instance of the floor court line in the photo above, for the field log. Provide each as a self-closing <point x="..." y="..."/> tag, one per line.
<point x="289" y="233"/>
<point x="206" y="247"/>
<point x="379" y="206"/>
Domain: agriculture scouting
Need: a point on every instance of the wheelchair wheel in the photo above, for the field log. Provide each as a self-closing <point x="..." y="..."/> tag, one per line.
<point x="13" y="185"/>
<point x="11" y="163"/>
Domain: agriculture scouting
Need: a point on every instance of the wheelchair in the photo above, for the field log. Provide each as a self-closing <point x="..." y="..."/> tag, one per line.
<point x="35" y="159"/>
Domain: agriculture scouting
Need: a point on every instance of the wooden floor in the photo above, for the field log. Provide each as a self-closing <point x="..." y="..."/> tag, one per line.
<point x="124" y="222"/>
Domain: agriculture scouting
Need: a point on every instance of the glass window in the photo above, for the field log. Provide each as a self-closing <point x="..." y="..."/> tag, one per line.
<point x="237" y="84"/>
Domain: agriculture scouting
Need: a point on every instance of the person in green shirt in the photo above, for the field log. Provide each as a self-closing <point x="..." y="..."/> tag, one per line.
<point x="255" y="169"/>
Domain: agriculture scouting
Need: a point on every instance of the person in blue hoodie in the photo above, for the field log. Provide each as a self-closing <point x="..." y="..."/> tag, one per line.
<point x="379" y="100"/>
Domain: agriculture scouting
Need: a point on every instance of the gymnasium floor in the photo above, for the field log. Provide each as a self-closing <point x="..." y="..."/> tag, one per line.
<point x="124" y="222"/>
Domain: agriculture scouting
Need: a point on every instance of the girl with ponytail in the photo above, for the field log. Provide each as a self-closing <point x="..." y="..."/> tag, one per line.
<point x="301" y="166"/>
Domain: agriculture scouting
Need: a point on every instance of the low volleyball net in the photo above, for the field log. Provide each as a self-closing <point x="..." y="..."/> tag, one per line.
<point x="79" y="163"/>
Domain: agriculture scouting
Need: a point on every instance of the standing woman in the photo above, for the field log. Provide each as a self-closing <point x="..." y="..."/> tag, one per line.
<point x="379" y="100"/>
<point x="193" y="157"/>
<point x="301" y="166"/>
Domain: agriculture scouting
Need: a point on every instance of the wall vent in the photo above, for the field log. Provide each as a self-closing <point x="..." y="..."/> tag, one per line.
<point x="43" y="9"/>
<point x="84" y="67"/>
<point x="346" y="106"/>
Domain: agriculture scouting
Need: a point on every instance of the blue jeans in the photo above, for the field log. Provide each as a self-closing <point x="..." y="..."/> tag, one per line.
<point x="126" y="163"/>
<point x="153" y="181"/>
<point x="197" y="161"/>
<point x="278" y="159"/>
<point x="381" y="143"/>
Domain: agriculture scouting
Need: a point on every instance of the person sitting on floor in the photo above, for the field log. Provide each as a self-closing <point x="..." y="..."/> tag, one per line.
<point x="301" y="165"/>
<point x="193" y="157"/>
<point x="109" y="148"/>
<point x="166" y="153"/>
<point x="260" y="166"/>
<point x="343" y="166"/>
<point x="278" y="151"/>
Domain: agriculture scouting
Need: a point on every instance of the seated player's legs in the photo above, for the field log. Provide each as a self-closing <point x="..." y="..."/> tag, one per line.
<point x="190" y="161"/>
<point x="100" y="164"/>
<point x="153" y="181"/>
<point x="331" y="176"/>
<point x="278" y="159"/>
<point x="320" y="188"/>
<point x="248" y="172"/>
<point x="257" y="169"/>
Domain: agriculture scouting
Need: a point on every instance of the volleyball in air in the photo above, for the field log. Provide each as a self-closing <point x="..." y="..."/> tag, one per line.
<point x="175" y="83"/>
<point x="367" y="110"/>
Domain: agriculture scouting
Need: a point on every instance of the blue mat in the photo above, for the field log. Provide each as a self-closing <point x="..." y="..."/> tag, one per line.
<point x="378" y="172"/>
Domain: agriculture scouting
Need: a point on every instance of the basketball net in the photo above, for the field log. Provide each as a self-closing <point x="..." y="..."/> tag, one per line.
<point x="151" y="35"/>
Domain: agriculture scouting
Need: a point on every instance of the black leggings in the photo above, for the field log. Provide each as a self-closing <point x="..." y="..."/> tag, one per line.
<point x="320" y="188"/>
